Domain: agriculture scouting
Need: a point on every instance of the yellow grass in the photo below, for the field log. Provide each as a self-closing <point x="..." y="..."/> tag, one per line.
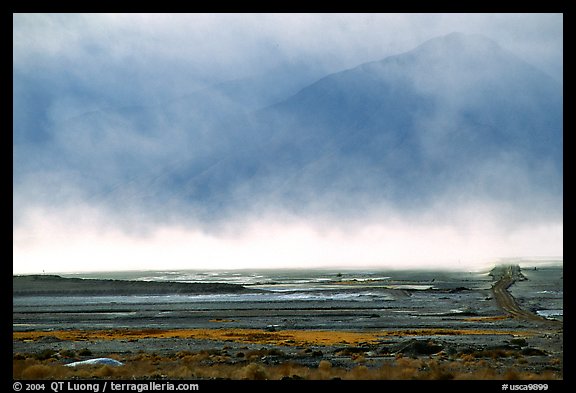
<point x="220" y="364"/>
<point x="284" y="337"/>
<point x="195" y="366"/>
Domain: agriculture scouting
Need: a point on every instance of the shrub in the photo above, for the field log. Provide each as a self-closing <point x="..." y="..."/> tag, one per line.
<point x="37" y="371"/>
<point x="45" y="354"/>
<point x="253" y="371"/>
<point x="84" y="352"/>
<point x="324" y="365"/>
<point x="67" y="353"/>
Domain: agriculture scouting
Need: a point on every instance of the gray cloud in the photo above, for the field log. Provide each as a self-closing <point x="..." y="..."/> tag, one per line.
<point x="151" y="52"/>
<point x="112" y="112"/>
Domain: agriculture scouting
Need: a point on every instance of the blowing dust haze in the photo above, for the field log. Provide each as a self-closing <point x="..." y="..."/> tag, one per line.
<point x="234" y="141"/>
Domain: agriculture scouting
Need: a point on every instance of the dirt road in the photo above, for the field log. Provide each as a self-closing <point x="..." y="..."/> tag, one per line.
<point x="507" y="302"/>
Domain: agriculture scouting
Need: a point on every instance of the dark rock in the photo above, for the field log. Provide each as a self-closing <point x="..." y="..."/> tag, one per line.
<point x="519" y="341"/>
<point x="533" y="352"/>
<point x="293" y="377"/>
<point x="502" y="347"/>
<point x="459" y="289"/>
<point x="49" y="339"/>
<point x="419" y="347"/>
<point x="348" y="351"/>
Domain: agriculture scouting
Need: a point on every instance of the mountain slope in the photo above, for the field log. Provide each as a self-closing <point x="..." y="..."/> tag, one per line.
<point x="456" y="119"/>
<point x="457" y="115"/>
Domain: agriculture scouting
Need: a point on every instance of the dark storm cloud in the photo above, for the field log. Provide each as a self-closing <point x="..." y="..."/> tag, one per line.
<point x="112" y="112"/>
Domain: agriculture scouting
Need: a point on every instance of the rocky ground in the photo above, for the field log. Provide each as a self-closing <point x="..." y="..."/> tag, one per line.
<point x="527" y="354"/>
<point x="503" y="342"/>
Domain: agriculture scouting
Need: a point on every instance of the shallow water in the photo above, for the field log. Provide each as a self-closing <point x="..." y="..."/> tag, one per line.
<point x="346" y="299"/>
<point x="542" y="292"/>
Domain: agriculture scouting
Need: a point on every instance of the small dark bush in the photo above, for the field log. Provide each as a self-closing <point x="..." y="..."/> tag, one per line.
<point x="45" y="354"/>
<point x="67" y="353"/>
<point x="84" y="352"/>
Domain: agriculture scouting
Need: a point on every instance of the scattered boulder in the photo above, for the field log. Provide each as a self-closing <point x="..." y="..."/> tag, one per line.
<point x="521" y="342"/>
<point x="293" y="377"/>
<point x="419" y="347"/>
<point x="49" y="339"/>
<point x="533" y="352"/>
<point x="349" y="351"/>
<point x="502" y="347"/>
<point x="459" y="289"/>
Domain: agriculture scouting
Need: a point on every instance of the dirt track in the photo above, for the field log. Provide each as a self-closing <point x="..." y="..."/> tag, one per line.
<point x="155" y="338"/>
<point x="507" y="302"/>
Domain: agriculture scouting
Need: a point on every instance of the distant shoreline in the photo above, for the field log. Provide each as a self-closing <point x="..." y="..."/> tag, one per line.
<point x="53" y="285"/>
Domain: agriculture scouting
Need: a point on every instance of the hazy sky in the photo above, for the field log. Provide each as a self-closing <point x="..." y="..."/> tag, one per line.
<point x="68" y="65"/>
<point x="134" y="58"/>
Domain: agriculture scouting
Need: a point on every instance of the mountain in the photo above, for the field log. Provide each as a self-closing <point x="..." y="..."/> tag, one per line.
<point x="458" y="118"/>
<point x="457" y="115"/>
<point x="115" y="151"/>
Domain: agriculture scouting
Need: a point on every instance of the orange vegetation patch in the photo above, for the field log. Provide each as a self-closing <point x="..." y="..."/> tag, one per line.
<point x="284" y="337"/>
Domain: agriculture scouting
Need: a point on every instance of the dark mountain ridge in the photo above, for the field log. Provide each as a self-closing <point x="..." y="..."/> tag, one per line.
<point x="456" y="113"/>
<point x="458" y="117"/>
